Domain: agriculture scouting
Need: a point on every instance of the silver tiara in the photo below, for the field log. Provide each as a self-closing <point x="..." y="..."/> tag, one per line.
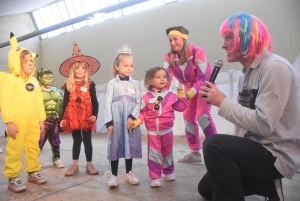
<point x="124" y="50"/>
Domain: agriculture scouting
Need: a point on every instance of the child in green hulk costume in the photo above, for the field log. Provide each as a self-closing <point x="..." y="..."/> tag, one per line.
<point x="53" y="109"/>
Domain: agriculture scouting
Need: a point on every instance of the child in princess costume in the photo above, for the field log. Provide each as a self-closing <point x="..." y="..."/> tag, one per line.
<point x="22" y="110"/>
<point x="157" y="110"/>
<point x="53" y="109"/>
<point x="80" y="106"/>
<point x="122" y="106"/>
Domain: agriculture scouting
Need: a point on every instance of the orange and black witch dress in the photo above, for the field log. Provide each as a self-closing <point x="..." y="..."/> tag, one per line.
<point x="78" y="107"/>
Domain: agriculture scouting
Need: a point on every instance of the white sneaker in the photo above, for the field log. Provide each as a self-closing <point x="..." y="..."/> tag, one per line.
<point x="58" y="163"/>
<point x="169" y="177"/>
<point x="131" y="178"/>
<point x="1" y="150"/>
<point x="190" y="158"/>
<point x="155" y="183"/>
<point x="113" y="182"/>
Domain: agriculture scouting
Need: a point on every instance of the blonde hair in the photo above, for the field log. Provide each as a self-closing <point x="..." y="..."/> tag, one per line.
<point x="117" y="63"/>
<point x="70" y="84"/>
<point x="23" y="63"/>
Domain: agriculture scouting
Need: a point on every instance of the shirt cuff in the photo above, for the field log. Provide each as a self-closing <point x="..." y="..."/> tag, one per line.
<point x="110" y="123"/>
<point x="132" y="117"/>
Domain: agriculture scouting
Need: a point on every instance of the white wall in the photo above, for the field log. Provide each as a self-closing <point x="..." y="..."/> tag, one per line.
<point x="20" y="25"/>
<point x="144" y="32"/>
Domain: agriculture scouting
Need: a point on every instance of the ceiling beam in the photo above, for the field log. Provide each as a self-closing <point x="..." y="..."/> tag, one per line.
<point x="75" y="20"/>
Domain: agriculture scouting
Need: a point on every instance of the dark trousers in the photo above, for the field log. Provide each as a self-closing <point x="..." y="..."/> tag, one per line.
<point x="115" y="165"/>
<point x="86" y="137"/>
<point x="237" y="167"/>
<point x="51" y="132"/>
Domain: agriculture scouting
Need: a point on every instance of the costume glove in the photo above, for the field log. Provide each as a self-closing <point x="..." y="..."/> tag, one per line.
<point x="137" y="123"/>
<point x="190" y="93"/>
<point x="180" y="93"/>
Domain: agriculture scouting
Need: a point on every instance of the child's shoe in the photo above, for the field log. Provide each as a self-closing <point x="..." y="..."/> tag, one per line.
<point x="91" y="169"/>
<point x="190" y="158"/>
<point x="113" y="182"/>
<point x="72" y="170"/>
<point x="58" y="163"/>
<point x="169" y="177"/>
<point x="16" y="185"/>
<point x="131" y="178"/>
<point x="36" y="178"/>
<point x="155" y="183"/>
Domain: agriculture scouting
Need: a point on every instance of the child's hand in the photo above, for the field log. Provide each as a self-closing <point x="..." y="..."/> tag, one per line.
<point x="110" y="130"/>
<point x="180" y="93"/>
<point x="92" y="119"/>
<point x="42" y="126"/>
<point x="130" y="124"/>
<point x="62" y="123"/>
<point x="12" y="129"/>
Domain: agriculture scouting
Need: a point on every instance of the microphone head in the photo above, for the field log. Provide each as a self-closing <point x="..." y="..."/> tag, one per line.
<point x="218" y="63"/>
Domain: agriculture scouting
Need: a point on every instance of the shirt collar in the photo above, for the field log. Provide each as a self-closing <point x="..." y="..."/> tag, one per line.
<point x="255" y="63"/>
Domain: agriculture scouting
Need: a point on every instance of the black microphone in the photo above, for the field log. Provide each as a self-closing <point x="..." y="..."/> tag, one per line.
<point x="217" y="66"/>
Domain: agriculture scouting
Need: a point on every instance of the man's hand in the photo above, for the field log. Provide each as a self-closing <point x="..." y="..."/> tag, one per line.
<point x="211" y="94"/>
<point x="12" y="129"/>
<point x="110" y="130"/>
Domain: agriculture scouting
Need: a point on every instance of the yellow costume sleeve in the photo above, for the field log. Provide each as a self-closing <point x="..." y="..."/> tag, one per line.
<point x="6" y="99"/>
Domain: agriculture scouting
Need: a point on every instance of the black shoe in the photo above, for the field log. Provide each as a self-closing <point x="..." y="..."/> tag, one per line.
<point x="271" y="190"/>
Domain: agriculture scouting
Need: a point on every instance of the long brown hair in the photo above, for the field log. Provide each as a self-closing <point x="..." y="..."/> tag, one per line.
<point x="184" y="54"/>
<point x="70" y="84"/>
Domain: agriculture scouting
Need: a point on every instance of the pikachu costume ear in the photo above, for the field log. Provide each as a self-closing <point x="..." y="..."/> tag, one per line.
<point x="14" y="61"/>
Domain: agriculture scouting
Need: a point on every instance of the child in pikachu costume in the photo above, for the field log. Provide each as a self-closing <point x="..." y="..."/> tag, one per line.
<point x="23" y="112"/>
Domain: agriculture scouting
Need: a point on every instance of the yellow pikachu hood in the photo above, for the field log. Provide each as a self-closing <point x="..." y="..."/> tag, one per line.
<point x="14" y="61"/>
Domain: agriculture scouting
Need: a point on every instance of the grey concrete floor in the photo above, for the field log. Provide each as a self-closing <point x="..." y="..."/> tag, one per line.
<point x="86" y="187"/>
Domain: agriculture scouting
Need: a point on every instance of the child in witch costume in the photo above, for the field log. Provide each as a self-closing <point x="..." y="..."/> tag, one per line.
<point x="80" y="106"/>
<point x="22" y="110"/>
<point x="53" y="109"/>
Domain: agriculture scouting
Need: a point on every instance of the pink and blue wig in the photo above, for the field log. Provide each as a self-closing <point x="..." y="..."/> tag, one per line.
<point x="251" y="36"/>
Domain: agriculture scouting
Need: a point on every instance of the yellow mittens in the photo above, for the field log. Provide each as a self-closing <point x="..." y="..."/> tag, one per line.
<point x="180" y="93"/>
<point x="137" y="123"/>
<point x="190" y="93"/>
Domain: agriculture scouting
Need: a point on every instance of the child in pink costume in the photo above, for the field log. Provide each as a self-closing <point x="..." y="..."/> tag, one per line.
<point x="190" y="67"/>
<point x="157" y="110"/>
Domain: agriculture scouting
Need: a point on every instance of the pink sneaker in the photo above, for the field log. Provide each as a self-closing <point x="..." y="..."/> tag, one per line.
<point x="16" y="185"/>
<point x="36" y="178"/>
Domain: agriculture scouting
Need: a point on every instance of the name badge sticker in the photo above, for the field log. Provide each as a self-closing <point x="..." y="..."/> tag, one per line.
<point x="152" y="100"/>
<point x="131" y="91"/>
<point x="84" y="89"/>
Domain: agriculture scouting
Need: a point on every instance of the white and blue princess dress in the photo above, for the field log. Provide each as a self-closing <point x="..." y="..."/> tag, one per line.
<point x="123" y="100"/>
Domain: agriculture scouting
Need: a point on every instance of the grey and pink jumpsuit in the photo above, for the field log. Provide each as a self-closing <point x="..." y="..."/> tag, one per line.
<point x="159" y="125"/>
<point x="192" y="75"/>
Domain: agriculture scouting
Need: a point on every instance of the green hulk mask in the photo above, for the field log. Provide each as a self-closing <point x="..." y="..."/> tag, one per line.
<point x="52" y="99"/>
<point x="45" y="77"/>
